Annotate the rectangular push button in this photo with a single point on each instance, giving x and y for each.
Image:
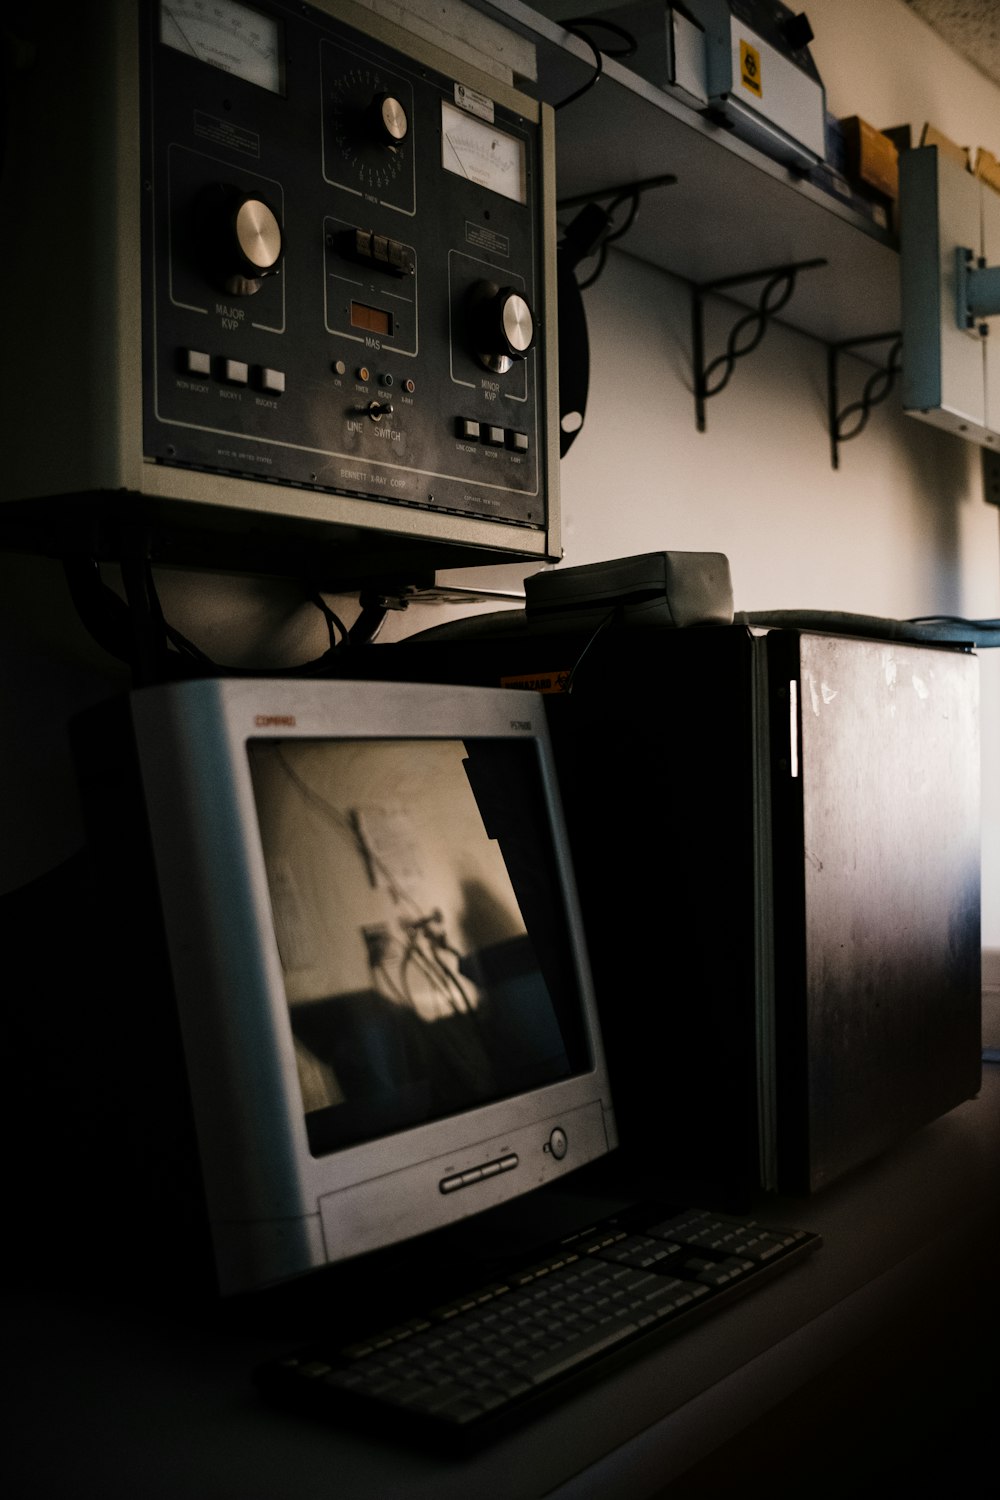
(401, 258)
(196, 362)
(235, 371)
(468, 429)
(517, 441)
(272, 381)
(493, 436)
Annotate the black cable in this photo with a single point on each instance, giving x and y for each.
(954, 620)
(601, 625)
(336, 629)
(602, 250)
(135, 631)
(396, 995)
(369, 622)
(635, 195)
(935, 630)
(149, 651)
(576, 28)
(979, 633)
(590, 232)
(104, 615)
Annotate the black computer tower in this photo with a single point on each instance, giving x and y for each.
(776, 841)
(874, 894)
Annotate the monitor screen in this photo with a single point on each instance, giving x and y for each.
(377, 958)
(413, 925)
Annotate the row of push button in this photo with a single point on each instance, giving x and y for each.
(477, 1174)
(493, 437)
(391, 255)
(233, 371)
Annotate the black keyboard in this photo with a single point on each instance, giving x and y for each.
(470, 1368)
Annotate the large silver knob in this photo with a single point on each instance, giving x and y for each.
(502, 326)
(386, 119)
(240, 238)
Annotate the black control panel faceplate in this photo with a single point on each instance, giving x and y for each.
(359, 364)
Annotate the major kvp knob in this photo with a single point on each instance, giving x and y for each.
(502, 325)
(240, 238)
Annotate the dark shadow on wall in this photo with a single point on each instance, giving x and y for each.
(944, 474)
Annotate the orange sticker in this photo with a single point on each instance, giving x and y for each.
(539, 682)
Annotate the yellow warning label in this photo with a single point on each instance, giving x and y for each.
(539, 682)
(750, 68)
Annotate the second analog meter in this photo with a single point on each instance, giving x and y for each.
(473, 148)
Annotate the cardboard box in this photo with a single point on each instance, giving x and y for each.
(988, 168)
(872, 158)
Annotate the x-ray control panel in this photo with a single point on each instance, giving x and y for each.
(343, 266)
(342, 271)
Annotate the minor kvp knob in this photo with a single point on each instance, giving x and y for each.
(240, 238)
(502, 325)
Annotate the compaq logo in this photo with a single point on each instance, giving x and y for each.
(520, 723)
(266, 721)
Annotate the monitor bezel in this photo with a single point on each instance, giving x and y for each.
(276, 1210)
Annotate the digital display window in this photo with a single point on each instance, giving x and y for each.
(371, 319)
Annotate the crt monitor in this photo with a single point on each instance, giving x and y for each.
(377, 959)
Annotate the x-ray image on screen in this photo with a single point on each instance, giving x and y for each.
(416, 924)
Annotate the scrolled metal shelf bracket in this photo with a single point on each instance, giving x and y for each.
(776, 292)
(851, 420)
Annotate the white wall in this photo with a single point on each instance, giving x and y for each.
(901, 529)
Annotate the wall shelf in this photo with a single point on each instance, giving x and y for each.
(731, 210)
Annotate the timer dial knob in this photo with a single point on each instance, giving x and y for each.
(502, 326)
(386, 120)
(368, 128)
(240, 237)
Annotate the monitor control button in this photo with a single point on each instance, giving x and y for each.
(558, 1143)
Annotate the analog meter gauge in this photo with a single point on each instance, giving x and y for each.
(473, 148)
(230, 36)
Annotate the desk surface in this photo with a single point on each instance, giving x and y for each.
(118, 1401)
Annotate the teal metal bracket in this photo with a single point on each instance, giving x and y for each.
(746, 334)
(851, 420)
(977, 290)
